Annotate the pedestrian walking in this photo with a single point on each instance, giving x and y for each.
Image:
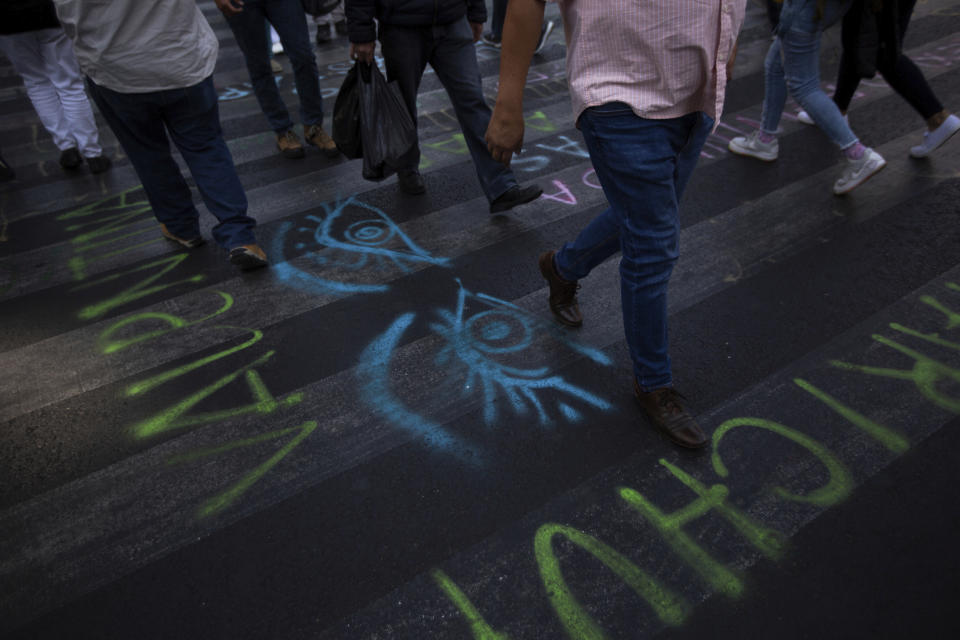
(442, 33)
(793, 64)
(873, 41)
(40, 52)
(248, 19)
(644, 131)
(149, 68)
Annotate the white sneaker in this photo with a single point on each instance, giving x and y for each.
(933, 139)
(859, 171)
(545, 32)
(752, 146)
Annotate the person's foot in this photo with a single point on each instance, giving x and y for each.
(289, 145)
(189, 243)
(340, 26)
(411, 182)
(323, 33)
(6, 171)
(858, 171)
(754, 147)
(545, 30)
(489, 39)
(563, 293)
(275, 67)
(276, 48)
(99, 164)
(70, 158)
(248, 256)
(315, 135)
(664, 408)
(515, 196)
(934, 139)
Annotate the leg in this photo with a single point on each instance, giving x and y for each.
(193, 119)
(643, 166)
(405, 56)
(800, 52)
(774, 89)
(498, 16)
(64, 73)
(455, 61)
(25, 54)
(250, 30)
(288, 18)
(137, 122)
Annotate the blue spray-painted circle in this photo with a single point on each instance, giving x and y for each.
(369, 232)
(499, 332)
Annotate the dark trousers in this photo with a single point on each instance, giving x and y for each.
(902, 75)
(497, 17)
(250, 31)
(191, 117)
(449, 50)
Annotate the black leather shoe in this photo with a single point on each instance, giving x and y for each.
(664, 407)
(411, 183)
(70, 158)
(99, 164)
(563, 293)
(514, 196)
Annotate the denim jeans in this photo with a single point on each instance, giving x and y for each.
(643, 166)
(449, 50)
(191, 116)
(250, 30)
(793, 63)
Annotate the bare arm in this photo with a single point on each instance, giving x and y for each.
(521, 30)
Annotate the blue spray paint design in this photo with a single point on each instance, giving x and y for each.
(363, 244)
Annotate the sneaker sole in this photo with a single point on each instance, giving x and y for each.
(247, 262)
(850, 188)
(743, 151)
(330, 153)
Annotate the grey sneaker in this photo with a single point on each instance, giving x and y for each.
(859, 171)
(752, 146)
(933, 139)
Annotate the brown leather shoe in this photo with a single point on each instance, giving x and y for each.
(563, 294)
(248, 256)
(289, 145)
(315, 135)
(665, 409)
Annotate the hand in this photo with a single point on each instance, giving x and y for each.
(230, 7)
(505, 133)
(363, 51)
(477, 28)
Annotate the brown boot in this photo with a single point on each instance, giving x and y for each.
(289, 145)
(563, 293)
(315, 135)
(665, 410)
(248, 256)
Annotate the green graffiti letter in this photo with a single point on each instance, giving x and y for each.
(478, 626)
(110, 345)
(670, 526)
(953, 318)
(836, 490)
(225, 499)
(926, 373)
(455, 144)
(137, 291)
(538, 120)
(886, 436)
(671, 609)
(175, 417)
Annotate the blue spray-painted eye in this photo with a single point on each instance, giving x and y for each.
(349, 251)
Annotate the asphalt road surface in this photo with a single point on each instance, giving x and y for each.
(384, 435)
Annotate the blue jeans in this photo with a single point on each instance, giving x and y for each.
(643, 166)
(449, 50)
(191, 116)
(250, 30)
(793, 63)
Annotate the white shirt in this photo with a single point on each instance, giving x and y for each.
(138, 46)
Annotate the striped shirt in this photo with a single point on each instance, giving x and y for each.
(664, 58)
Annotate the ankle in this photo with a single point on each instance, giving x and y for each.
(855, 151)
(767, 138)
(937, 119)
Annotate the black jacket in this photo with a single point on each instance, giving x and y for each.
(20, 16)
(407, 13)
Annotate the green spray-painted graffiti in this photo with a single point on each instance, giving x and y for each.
(479, 627)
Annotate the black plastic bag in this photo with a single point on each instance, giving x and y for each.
(346, 117)
(387, 132)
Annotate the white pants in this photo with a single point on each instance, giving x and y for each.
(51, 76)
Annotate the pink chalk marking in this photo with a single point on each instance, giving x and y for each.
(563, 195)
